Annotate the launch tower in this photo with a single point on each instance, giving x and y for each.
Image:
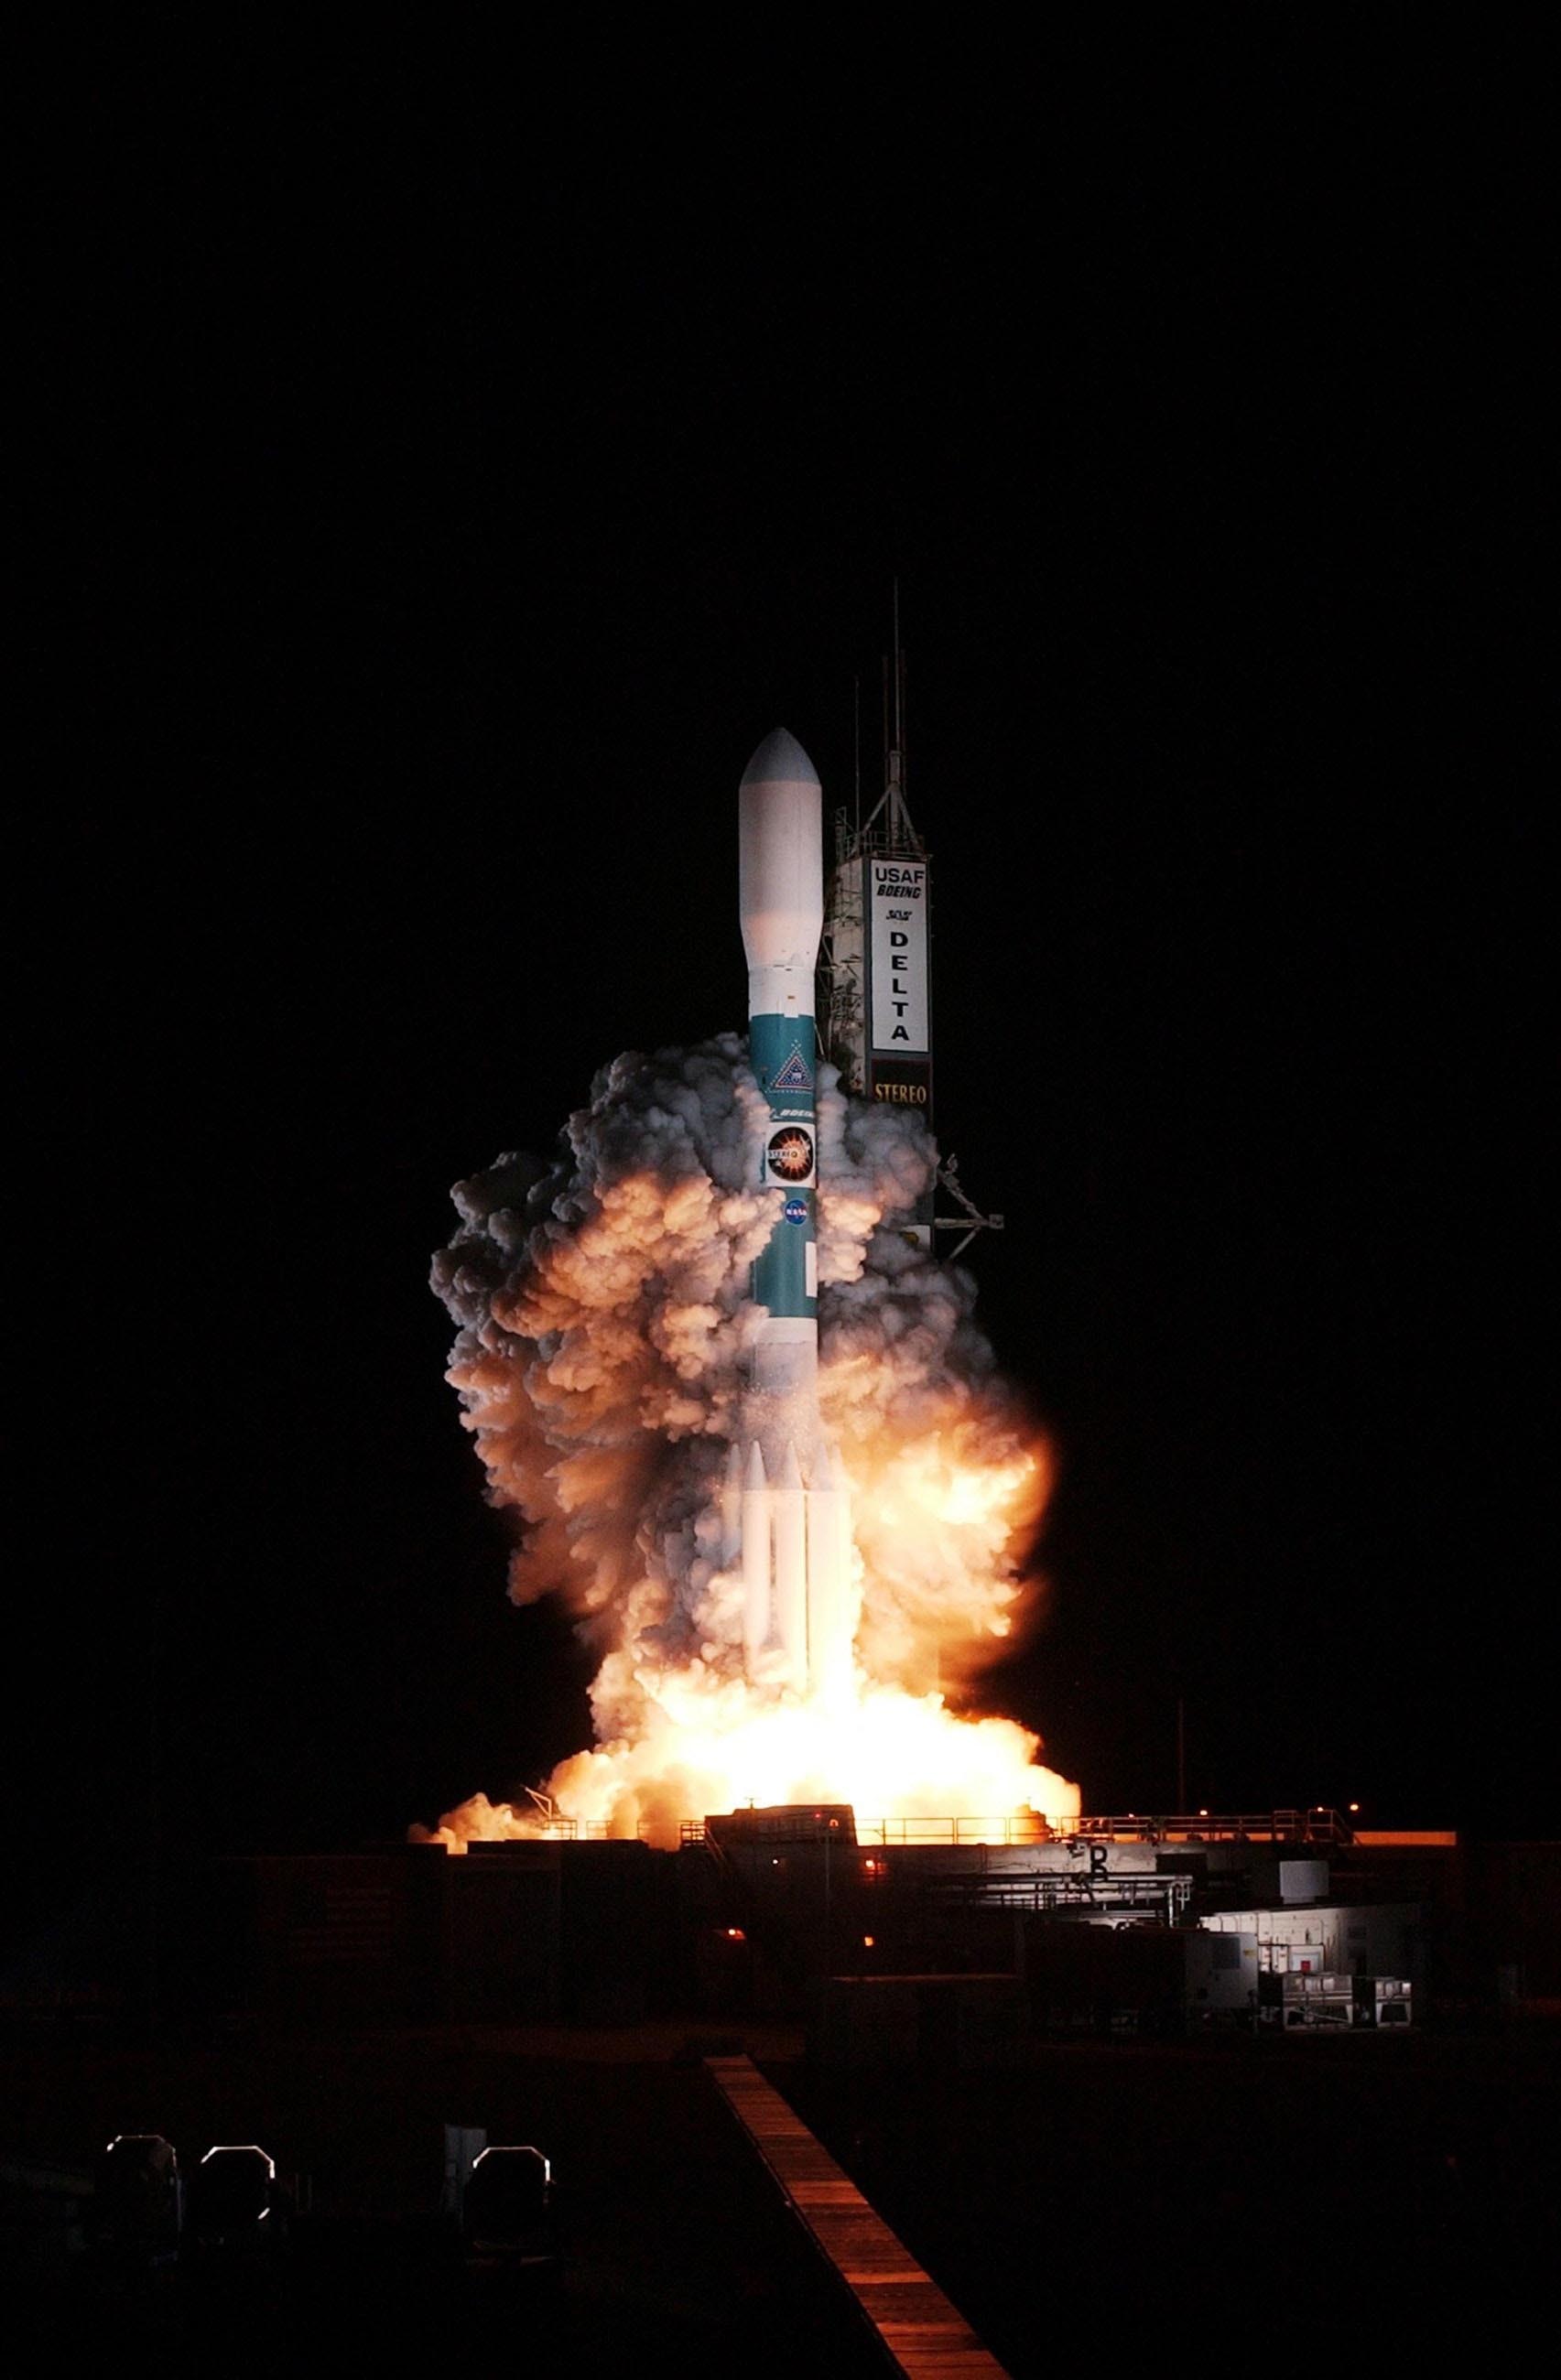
(874, 989)
(875, 972)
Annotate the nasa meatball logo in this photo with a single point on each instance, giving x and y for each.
(791, 1154)
(796, 1210)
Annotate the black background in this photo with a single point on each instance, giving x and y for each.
(455, 453)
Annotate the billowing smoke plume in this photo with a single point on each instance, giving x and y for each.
(605, 1314)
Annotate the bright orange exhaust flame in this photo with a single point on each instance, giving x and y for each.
(935, 1528)
(605, 1320)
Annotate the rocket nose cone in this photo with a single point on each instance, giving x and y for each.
(780, 760)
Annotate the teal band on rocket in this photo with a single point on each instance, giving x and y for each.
(784, 1060)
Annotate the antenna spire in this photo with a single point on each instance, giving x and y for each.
(902, 835)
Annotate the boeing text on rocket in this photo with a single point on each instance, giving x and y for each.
(785, 1502)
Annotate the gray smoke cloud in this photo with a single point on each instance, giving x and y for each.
(603, 1313)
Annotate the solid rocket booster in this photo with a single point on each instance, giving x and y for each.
(796, 1559)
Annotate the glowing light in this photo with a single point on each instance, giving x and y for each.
(708, 1743)
(523, 2149)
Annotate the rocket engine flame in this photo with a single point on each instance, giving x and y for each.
(604, 1313)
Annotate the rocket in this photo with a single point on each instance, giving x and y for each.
(785, 1502)
(780, 880)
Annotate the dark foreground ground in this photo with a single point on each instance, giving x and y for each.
(1320, 2206)
(1324, 2206)
(676, 2252)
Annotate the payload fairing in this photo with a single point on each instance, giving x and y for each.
(785, 1502)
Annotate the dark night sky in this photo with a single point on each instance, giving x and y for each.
(453, 461)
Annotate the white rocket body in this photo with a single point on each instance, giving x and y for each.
(780, 875)
(793, 1532)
